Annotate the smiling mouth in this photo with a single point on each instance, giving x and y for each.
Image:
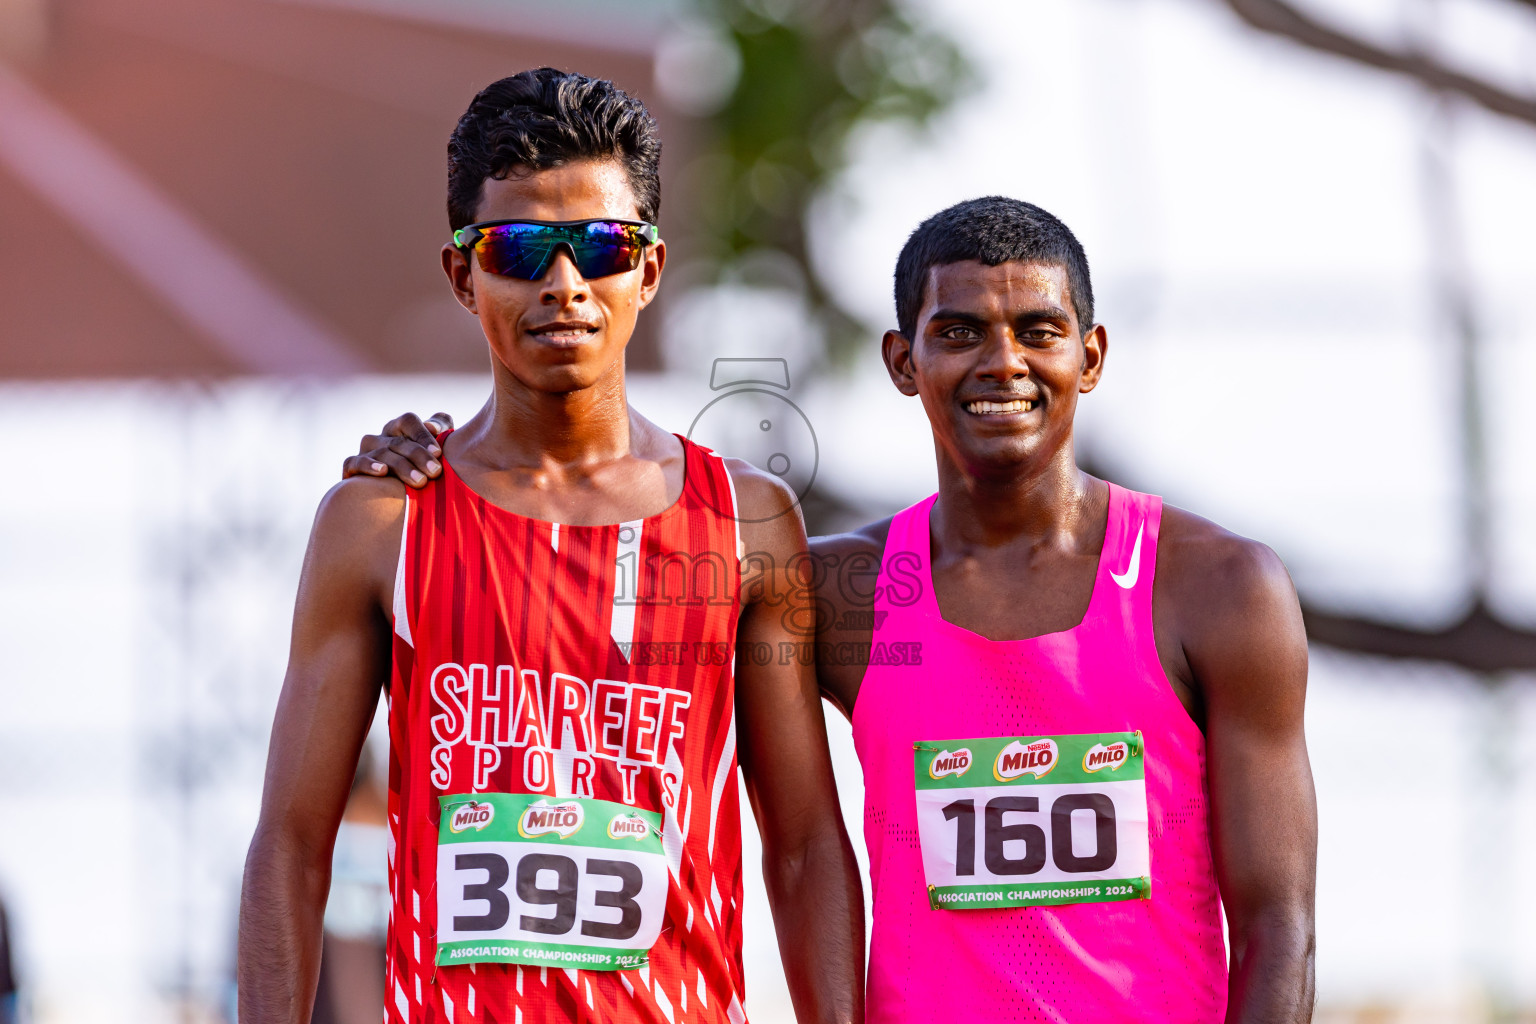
(564, 334)
(999, 408)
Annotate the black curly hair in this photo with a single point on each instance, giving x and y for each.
(991, 230)
(545, 117)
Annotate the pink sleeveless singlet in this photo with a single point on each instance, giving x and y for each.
(1160, 959)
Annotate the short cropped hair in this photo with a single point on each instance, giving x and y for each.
(543, 118)
(991, 230)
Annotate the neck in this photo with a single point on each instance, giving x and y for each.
(1041, 500)
(526, 427)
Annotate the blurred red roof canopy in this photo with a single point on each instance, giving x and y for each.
(266, 189)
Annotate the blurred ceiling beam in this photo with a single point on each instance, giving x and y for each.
(616, 28)
(1479, 641)
(203, 280)
(1278, 17)
(23, 28)
(238, 33)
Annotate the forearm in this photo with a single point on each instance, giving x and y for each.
(282, 907)
(818, 913)
(1272, 980)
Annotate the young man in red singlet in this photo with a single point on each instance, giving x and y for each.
(1079, 711)
(555, 622)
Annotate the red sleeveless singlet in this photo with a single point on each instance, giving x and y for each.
(615, 644)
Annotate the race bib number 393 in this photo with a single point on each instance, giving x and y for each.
(1033, 820)
(525, 879)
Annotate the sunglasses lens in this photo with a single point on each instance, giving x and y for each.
(515, 250)
(608, 247)
(524, 251)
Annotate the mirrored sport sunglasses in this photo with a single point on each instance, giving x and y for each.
(524, 249)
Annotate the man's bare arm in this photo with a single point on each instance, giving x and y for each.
(1246, 647)
(336, 666)
(848, 566)
(808, 863)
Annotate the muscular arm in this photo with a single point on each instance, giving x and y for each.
(1246, 654)
(808, 863)
(337, 663)
(848, 565)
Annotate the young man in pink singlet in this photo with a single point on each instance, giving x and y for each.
(1101, 747)
(1079, 711)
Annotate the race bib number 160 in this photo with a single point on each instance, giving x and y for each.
(528, 879)
(1033, 820)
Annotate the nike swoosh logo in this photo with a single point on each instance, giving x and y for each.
(1127, 579)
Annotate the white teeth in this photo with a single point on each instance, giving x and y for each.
(994, 408)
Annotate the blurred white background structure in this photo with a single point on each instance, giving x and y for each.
(1278, 240)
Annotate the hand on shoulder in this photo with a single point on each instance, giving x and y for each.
(407, 448)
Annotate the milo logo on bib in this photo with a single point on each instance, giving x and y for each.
(471, 815)
(544, 818)
(1063, 819)
(945, 763)
(628, 826)
(1016, 759)
(1099, 756)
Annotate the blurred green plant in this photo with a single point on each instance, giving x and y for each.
(807, 73)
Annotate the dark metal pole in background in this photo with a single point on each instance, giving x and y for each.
(1488, 834)
(1481, 641)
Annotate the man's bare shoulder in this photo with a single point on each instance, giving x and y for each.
(848, 568)
(1197, 556)
(758, 493)
(849, 565)
(358, 526)
(363, 502)
(766, 507)
(1229, 609)
(868, 539)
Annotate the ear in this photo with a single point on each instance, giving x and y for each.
(1095, 348)
(896, 350)
(460, 277)
(655, 262)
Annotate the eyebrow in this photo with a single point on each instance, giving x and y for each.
(958, 315)
(1050, 314)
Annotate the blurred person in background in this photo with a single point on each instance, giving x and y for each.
(562, 799)
(351, 986)
(1079, 712)
(10, 989)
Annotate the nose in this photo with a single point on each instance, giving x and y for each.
(563, 284)
(1002, 358)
